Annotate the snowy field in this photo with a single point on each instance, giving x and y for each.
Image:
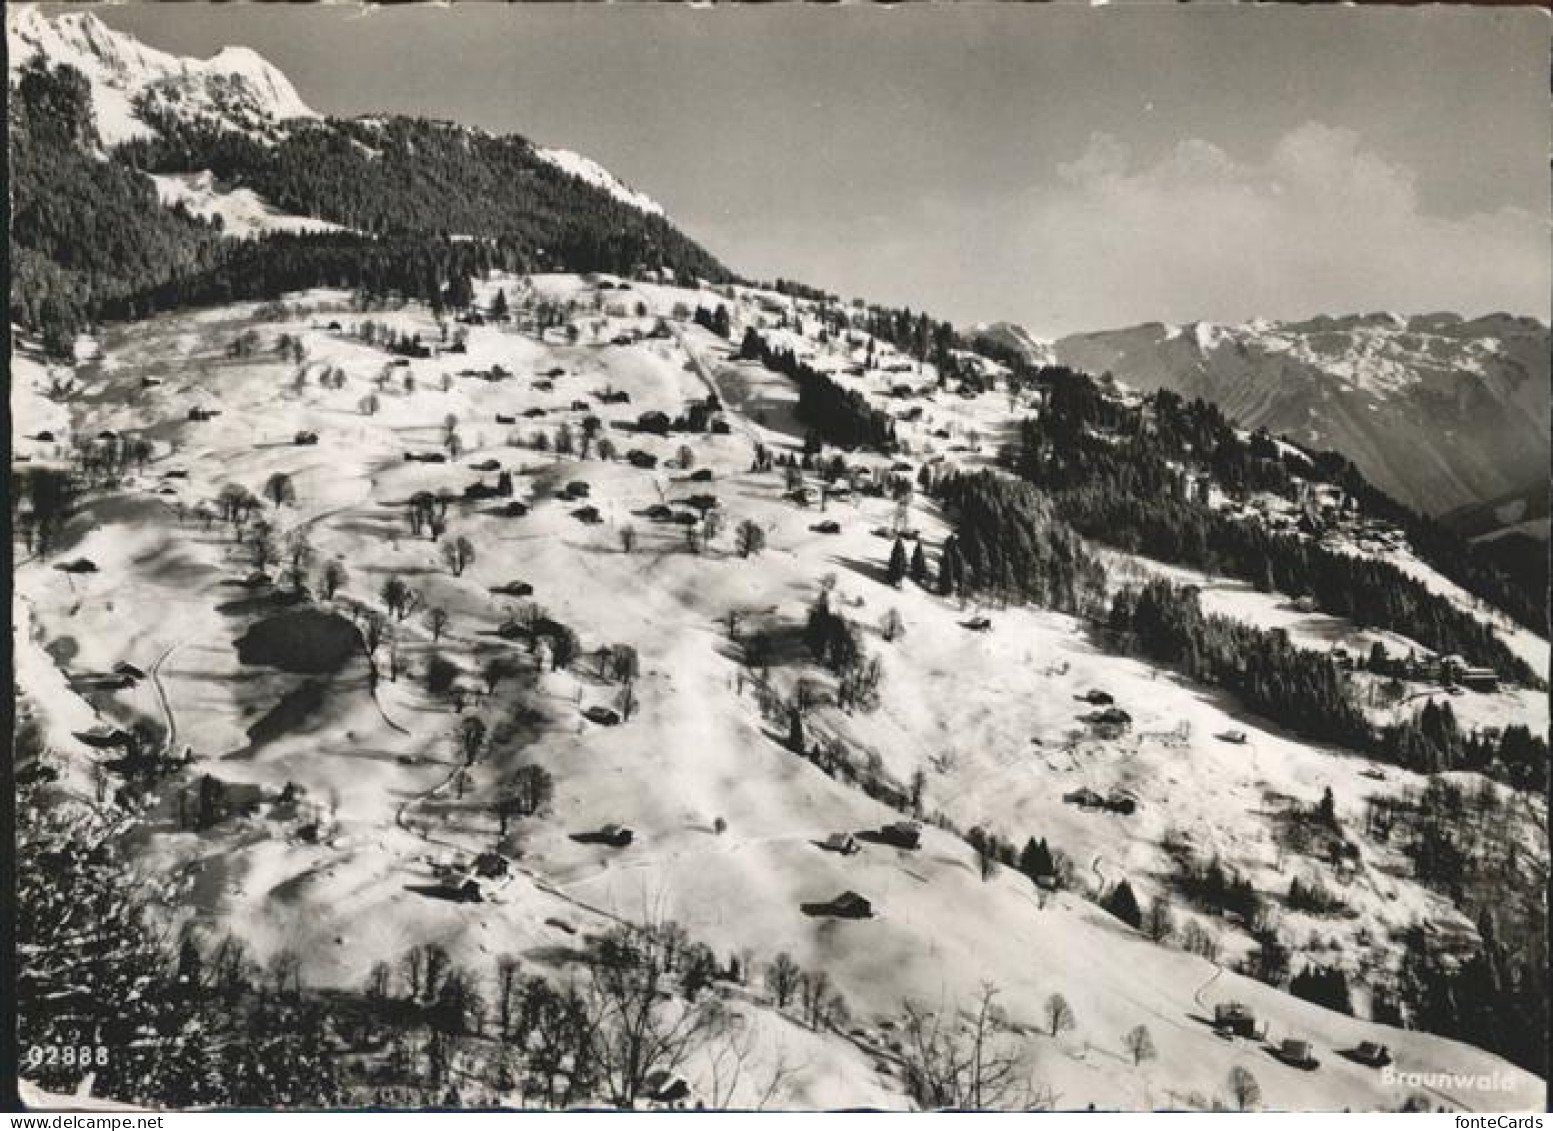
(726, 819)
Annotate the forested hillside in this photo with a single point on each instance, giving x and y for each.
(425, 203)
(1120, 467)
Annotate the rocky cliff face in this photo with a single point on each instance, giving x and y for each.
(1440, 411)
(236, 88)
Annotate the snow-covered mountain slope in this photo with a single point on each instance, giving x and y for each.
(728, 822)
(235, 88)
(242, 211)
(1037, 350)
(589, 170)
(133, 84)
(1439, 411)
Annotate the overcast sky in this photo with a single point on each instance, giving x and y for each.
(1067, 168)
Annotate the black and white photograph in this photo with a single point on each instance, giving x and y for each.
(793, 558)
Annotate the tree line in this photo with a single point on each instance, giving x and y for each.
(842, 416)
(1010, 543)
(1119, 487)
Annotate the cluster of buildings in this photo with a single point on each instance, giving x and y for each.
(1448, 671)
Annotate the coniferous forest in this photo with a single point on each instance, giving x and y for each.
(91, 242)
(1111, 476)
(841, 416)
(1013, 543)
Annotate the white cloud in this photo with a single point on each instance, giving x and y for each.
(1320, 224)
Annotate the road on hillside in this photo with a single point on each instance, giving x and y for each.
(155, 672)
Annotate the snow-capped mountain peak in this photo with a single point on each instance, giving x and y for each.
(245, 66)
(1464, 401)
(133, 85)
(589, 170)
(1038, 351)
(84, 41)
(235, 89)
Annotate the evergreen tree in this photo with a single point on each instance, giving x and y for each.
(1324, 985)
(1121, 903)
(796, 740)
(951, 568)
(1326, 809)
(1035, 859)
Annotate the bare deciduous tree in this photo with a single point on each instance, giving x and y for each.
(823, 1005)
(459, 553)
(640, 1028)
(1139, 1044)
(711, 526)
(532, 789)
(954, 1062)
(395, 665)
(471, 739)
(437, 962)
(1244, 1089)
(988, 850)
(333, 579)
(373, 626)
(413, 968)
(1196, 939)
(507, 992)
(279, 489)
(400, 599)
(782, 977)
(1059, 1015)
(749, 538)
(729, 1061)
(299, 552)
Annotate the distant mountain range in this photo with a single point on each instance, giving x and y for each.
(1442, 412)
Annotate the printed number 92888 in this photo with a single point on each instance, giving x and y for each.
(67, 1056)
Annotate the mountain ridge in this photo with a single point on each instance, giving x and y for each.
(124, 158)
(236, 87)
(1441, 411)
